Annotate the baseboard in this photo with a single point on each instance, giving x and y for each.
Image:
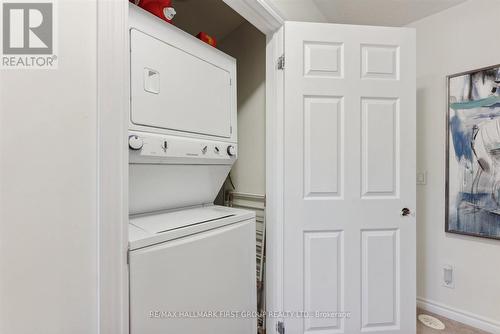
(464, 317)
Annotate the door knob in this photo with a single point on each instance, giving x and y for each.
(405, 212)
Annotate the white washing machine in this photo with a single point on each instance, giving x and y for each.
(192, 265)
(193, 271)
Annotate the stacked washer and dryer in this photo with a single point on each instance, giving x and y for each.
(191, 263)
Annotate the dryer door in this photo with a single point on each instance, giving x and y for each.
(176, 90)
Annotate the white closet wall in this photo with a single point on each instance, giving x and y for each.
(248, 46)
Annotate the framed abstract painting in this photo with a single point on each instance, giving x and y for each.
(473, 153)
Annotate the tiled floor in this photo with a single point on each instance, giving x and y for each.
(452, 327)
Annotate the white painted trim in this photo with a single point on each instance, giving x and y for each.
(265, 17)
(112, 102)
(261, 13)
(274, 177)
(464, 317)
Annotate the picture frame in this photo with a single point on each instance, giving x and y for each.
(472, 181)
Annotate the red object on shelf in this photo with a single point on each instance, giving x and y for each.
(207, 38)
(161, 8)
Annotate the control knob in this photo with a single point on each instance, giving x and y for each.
(135, 142)
(231, 150)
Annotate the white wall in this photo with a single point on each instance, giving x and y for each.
(248, 46)
(48, 228)
(300, 10)
(462, 38)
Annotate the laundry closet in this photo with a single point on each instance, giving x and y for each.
(196, 138)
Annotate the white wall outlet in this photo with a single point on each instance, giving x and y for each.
(422, 178)
(448, 279)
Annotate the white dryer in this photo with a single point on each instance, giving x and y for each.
(192, 266)
(178, 84)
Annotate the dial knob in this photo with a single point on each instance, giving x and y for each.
(135, 142)
(231, 150)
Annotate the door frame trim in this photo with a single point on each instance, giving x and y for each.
(274, 178)
(112, 166)
(112, 160)
(260, 13)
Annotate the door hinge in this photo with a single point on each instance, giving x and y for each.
(280, 327)
(281, 62)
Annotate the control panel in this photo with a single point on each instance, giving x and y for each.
(149, 147)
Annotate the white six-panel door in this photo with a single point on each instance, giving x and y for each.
(349, 171)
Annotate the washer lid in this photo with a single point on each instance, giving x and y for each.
(164, 222)
(146, 230)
